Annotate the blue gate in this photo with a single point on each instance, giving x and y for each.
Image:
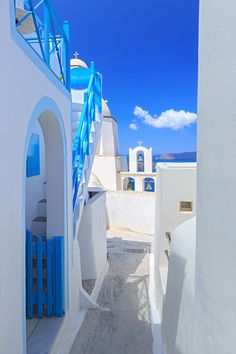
(44, 276)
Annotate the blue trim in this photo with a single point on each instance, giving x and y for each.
(149, 184)
(45, 104)
(33, 56)
(53, 295)
(46, 22)
(92, 105)
(130, 184)
(49, 276)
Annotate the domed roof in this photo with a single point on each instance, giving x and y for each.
(79, 78)
(78, 63)
(105, 109)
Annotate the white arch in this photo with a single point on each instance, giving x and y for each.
(147, 159)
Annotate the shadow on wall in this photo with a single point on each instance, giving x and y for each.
(172, 302)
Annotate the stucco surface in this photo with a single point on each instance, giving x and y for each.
(35, 90)
(92, 237)
(215, 287)
(134, 211)
(121, 324)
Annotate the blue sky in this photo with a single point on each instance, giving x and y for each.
(147, 53)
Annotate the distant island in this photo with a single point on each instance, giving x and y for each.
(192, 156)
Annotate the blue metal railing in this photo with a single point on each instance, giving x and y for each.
(44, 276)
(92, 105)
(49, 37)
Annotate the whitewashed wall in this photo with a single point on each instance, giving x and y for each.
(107, 162)
(179, 301)
(210, 328)
(215, 298)
(133, 154)
(25, 85)
(109, 145)
(104, 172)
(92, 237)
(131, 210)
(175, 182)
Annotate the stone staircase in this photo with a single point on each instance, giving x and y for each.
(39, 223)
(88, 163)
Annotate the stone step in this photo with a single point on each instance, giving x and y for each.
(42, 207)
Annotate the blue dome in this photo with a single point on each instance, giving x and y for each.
(79, 78)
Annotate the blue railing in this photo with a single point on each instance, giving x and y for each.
(44, 276)
(40, 26)
(92, 106)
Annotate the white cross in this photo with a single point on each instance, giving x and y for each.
(76, 54)
(140, 142)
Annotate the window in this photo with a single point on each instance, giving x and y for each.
(33, 157)
(149, 184)
(129, 184)
(140, 161)
(186, 206)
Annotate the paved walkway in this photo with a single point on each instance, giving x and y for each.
(121, 325)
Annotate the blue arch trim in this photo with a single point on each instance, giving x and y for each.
(44, 104)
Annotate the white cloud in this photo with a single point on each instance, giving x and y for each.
(169, 119)
(133, 126)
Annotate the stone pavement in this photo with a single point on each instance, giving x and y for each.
(121, 325)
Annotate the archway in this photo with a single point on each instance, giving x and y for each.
(140, 161)
(45, 216)
(129, 184)
(149, 184)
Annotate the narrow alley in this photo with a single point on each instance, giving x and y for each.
(121, 324)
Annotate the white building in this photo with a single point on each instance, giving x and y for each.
(140, 159)
(108, 163)
(199, 307)
(125, 209)
(140, 177)
(46, 153)
(52, 231)
(175, 203)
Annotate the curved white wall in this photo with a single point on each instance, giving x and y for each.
(179, 300)
(25, 81)
(213, 322)
(215, 303)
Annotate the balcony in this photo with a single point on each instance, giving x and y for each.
(39, 25)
